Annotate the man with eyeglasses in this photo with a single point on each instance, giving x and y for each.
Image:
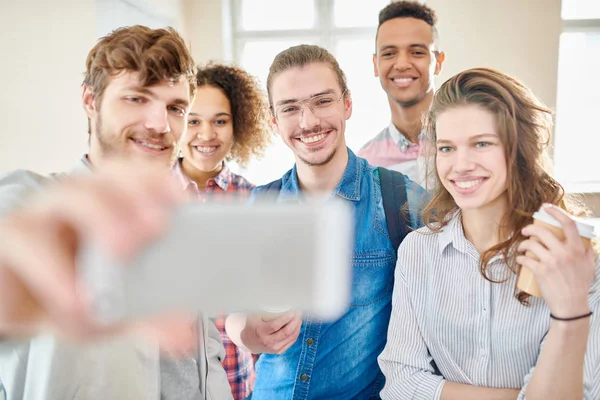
(306, 358)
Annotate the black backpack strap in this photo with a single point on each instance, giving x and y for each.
(393, 192)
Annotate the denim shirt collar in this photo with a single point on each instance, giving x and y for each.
(348, 188)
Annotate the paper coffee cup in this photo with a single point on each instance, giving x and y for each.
(526, 281)
(270, 313)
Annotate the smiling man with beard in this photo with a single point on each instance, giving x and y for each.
(138, 86)
(305, 358)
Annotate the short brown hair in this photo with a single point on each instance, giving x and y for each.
(156, 54)
(524, 126)
(251, 130)
(301, 55)
(409, 9)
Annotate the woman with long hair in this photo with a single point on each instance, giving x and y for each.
(460, 328)
(228, 121)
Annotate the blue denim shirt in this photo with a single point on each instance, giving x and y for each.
(339, 360)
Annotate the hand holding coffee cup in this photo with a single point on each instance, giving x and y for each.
(558, 263)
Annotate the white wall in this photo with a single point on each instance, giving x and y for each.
(518, 37)
(44, 45)
(204, 29)
(112, 14)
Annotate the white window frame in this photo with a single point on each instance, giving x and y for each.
(572, 185)
(324, 33)
(138, 12)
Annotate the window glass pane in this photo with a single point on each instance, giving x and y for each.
(580, 9)
(113, 14)
(265, 15)
(256, 58)
(357, 13)
(577, 130)
(370, 112)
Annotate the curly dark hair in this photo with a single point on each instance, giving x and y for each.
(409, 9)
(251, 129)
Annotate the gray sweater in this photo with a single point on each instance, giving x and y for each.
(46, 368)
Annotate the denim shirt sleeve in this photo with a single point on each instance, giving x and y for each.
(417, 198)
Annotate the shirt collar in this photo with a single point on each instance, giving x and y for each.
(452, 233)
(222, 180)
(83, 166)
(186, 183)
(348, 188)
(400, 139)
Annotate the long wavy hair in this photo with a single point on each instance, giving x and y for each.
(524, 127)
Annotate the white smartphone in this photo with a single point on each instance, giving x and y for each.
(227, 257)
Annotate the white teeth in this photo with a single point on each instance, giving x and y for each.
(152, 145)
(206, 150)
(403, 80)
(467, 184)
(312, 139)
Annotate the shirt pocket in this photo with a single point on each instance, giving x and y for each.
(372, 277)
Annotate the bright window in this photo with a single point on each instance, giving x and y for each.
(263, 28)
(113, 14)
(577, 130)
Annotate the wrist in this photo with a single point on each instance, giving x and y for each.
(247, 339)
(571, 329)
(571, 308)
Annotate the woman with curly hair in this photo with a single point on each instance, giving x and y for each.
(460, 326)
(228, 121)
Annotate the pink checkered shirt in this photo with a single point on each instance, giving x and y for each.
(238, 363)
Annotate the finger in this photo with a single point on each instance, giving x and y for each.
(285, 346)
(288, 332)
(528, 262)
(281, 321)
(544, 235)
(572, 236)
(19, 310)
(538, 250)
(118, 217)
(293, 336)
(47, 273)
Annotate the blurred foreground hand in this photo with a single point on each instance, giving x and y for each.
(122, 208)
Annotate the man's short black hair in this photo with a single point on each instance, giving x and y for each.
(409, 9)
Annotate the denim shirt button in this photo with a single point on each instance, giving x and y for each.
(310, 342)
(304, 377)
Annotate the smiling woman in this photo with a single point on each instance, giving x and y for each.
(228, 121)
(490, 134)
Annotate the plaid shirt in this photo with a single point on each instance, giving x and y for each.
(238, 363)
